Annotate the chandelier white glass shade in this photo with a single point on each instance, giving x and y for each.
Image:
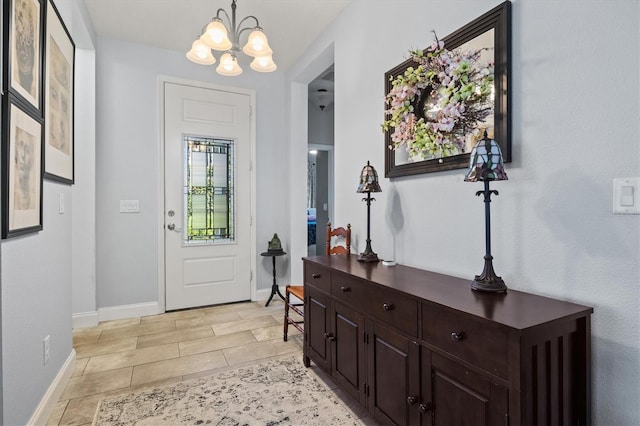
(225, 37)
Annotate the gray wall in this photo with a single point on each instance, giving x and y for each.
(37, 269)
(575, 105)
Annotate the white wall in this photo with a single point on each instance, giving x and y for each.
(128, 161)
(575, 106)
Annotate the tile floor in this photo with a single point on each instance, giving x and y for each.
(118, 356)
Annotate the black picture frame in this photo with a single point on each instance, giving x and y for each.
(59, 92)
(23, 56)
(498, 19)
(22, 168)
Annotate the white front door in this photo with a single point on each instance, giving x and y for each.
(207, 155)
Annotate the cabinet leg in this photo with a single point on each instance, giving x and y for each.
(306, 361)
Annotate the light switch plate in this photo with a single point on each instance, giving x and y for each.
(129, 206)
(626, 195)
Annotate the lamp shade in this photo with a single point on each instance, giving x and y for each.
(257, 44)
(215, 36)
(485, 162)
(200, 53)
(263, 64)
(228, 65)
(368, 180)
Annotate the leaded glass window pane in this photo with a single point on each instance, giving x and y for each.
(208, 190)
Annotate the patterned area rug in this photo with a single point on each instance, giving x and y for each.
(276, 392)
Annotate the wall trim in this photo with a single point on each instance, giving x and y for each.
(128, 311)
(263, 294)
(84, 319)
(54, 392)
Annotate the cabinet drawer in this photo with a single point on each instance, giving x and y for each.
(350, 291)
(317, 276)
(394, 309)
(473, 340)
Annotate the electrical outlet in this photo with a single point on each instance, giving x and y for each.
(46, 348)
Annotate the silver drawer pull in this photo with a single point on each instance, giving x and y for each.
(457, 336)
(315, 276)
(345, 289)
(387, 306)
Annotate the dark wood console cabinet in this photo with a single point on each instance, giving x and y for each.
(418, 347)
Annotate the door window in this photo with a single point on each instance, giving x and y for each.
(208, 190)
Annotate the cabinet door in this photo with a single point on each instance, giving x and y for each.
(394, 376)
(348, 364)
(317, 326)
(455, 395)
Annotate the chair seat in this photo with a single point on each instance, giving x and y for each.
(297, 291)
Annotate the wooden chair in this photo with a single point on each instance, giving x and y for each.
(298, 290)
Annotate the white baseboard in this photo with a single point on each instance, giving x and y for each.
(262, 294)
(128, 311)
(53, 394)
(84, 319)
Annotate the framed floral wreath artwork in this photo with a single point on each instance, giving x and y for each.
(444, 98)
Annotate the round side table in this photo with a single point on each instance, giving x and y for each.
(274, 287)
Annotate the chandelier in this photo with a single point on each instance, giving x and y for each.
(225, 37)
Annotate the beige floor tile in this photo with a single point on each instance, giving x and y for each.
(216, 343)
(261, 311)
(273, 332)
(131, 358)
(233, 307)
(80, 365)
(84, 336)
(248, 324)
(138, 330)
(174, 336)
(188, 313)
(56, 414)
(160, 370)
(80, 411)
(207, 319)
(110, 346)
(119, 323)
(266, 349)
(97, 383)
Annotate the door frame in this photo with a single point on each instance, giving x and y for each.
(162, 79)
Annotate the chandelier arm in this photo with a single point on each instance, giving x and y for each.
(248, 17)
(225, 14)
(243, 30)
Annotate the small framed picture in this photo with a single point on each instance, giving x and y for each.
(25, 51)
(22, 162)
(59, 91)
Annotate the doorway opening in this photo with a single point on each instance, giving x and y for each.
(320, 193)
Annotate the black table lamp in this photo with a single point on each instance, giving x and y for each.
(486, 165)
(368, 184)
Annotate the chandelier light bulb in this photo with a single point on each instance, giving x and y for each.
(200, 53)
(228, 65)
(257, 44)
(215, 36)
(263, 64)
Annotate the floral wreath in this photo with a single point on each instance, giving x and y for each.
(433, 106)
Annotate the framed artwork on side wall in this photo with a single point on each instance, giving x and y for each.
(22, 162)
(59, 101)
(23, 61)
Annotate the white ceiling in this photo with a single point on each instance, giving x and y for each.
(290, 25)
